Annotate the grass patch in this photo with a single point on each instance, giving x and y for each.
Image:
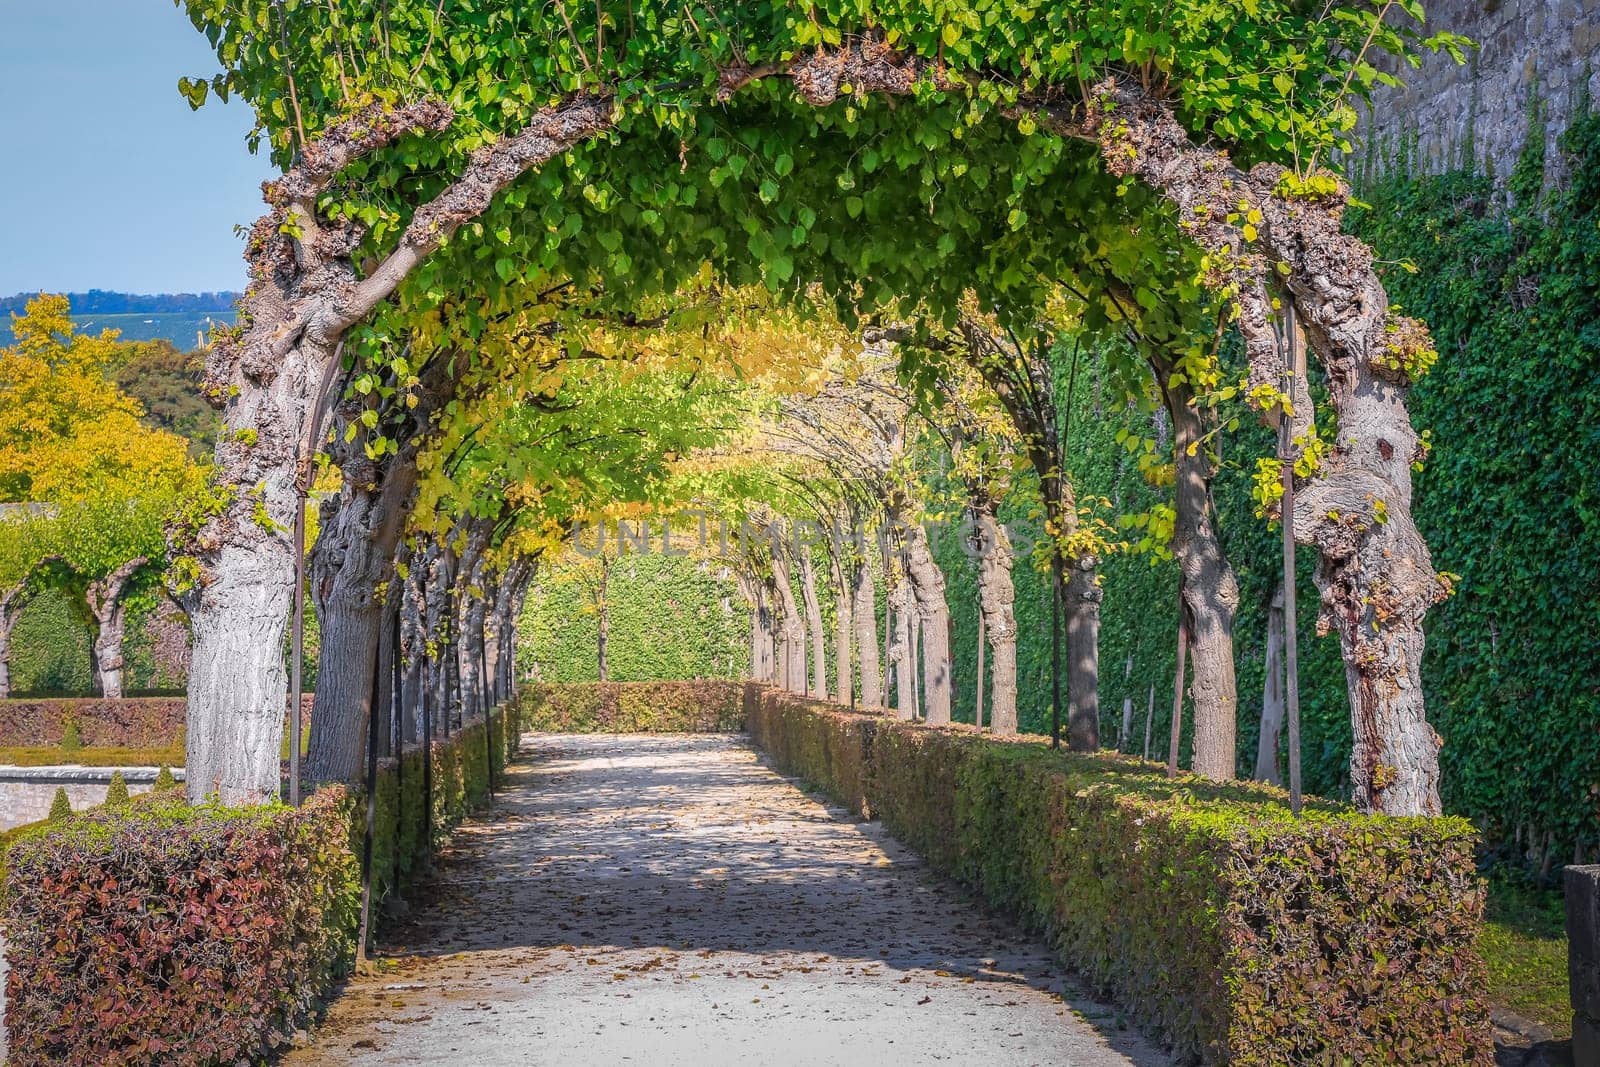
(52, 755)
(1524, 943)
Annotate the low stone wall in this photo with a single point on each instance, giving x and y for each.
(1583, 962)
(26, 793)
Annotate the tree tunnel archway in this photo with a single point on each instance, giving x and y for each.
(608, 156)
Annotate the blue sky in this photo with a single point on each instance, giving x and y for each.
(107, 179)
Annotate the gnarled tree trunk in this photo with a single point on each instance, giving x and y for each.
(933, 612)
(1272, 706)
(110, 613)
(1374, 572)
(844, 624)
(996, 600)
(1210, 591)
(793, 644)
(901, 599)
(814, 627)
(864, 609)
(305, 293)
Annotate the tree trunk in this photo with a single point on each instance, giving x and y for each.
(1126, 731)
(1082, 608)
(1210, 591)
(7, 623)
(305, 294)
(900, 598)
(844, 626)
(1272, 705)
(996, 601)
(933, 613)
(1374, 572)
(603, 623)
(977, 694)
(864, 610)
(351, 561)
(814, 627)
(110, 615)
(793, 645)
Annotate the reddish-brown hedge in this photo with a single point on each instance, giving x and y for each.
(1238, 933)
(163, 934)
(167, 934)
(133, 722)
(703, 706)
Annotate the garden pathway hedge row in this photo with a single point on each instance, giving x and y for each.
(1236, 932)
(703, 706)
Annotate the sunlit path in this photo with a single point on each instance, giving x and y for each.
(668, 899)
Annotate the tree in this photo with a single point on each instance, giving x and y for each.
(66, 430)
(985, 163)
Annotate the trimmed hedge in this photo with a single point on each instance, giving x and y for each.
(460, 786)
(1235, 932)
(133, 722)
(704, 706)
(163, 934)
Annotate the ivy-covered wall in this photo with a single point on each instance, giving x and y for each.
(672, 617)
(51, 648)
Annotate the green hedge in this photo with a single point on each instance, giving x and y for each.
(635, 707)
(671, 617)
(401, 839)
(158, 933)
(1232, 930)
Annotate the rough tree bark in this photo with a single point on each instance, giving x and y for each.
(110, 614)
(1272, 706)
(793, 627)
(933, 613)
(901, 599)
(996, 600)
(864, 609)
(1374, 572)
(814, 627)
(1210, 591)
(1025, 383)
(352, 563)
(467, 628)
(305, 293)
(844, 623)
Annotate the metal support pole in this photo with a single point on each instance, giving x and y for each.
(297, 643)
(488, 713)
(397, 741)
(1055, 647)
(372, 815)
(1291, 659)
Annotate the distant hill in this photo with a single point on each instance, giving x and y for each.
(176, 317)
(105, 302)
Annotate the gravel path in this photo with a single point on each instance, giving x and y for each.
(670, 900)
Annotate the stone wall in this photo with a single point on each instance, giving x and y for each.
(26, 793)
(1528, 49)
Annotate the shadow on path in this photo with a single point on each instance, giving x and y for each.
(669, 899)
